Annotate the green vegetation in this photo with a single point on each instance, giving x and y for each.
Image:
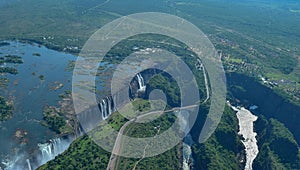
(252, 43)
(4, 44)
(277, 146)
(49, 24)
(223, 150)
(116, 121)
(13, 59)
(62, 118)
(168, 86)
(169, 160)
(143, 130)
(9, 70)
(6, 109)
(246, 91)
(172, 158)
(55, 121)
(268, 46)
(141, 105)
(42, 77)
(126, 47)
(36, 54)
(83, 153)
(3, 82)
(70, 66)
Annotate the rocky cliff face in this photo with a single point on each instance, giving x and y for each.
(139, 87)
(248, 91)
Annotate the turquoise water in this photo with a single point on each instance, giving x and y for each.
(31, 95)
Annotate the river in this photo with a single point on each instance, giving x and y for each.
(30, 95)
(187, 153)
(246, 130)
(270, 104)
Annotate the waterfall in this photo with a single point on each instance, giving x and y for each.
(104, 113)
(188, 160)
(106, 107)
(141, 82)
(46, 150)
(28, 163)
(56, 145)
(101, 109)
(11, 164)
(187, 153)
(109, 105)
(52, 148)
(130, 91)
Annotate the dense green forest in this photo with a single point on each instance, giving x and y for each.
(6, 109)
(224, 149)
(54, 120)
(82, 154)
(277, 146)
(9, 70)
(259, 40)
(85, 153)
(10, 59)
(262, 36)
(170, 159)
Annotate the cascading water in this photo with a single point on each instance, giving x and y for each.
(48, 152)
(246, 129)
(106, 107)
(188, 160)
(53, 148)
(101, 108)
(11, 164)
(56, 145)
(142, 86)
(104, 113)
(187, 152)
(28, 163)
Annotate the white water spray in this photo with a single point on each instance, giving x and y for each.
(51, 149)
(187, 152)
(246, 121)
(142, 86)
(106, 107)
(28, 163)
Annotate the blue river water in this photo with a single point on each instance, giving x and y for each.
(30, 95)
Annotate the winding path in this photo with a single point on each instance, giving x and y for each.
(117, 146)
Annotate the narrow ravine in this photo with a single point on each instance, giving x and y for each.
(187, 153)
(246, 130)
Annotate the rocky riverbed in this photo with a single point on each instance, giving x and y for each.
(246, 130)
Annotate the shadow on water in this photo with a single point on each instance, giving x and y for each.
(250, 92)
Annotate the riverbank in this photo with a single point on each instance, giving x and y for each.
(21, 134)
(246, 91)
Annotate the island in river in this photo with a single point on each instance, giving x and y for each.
(24, 96)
